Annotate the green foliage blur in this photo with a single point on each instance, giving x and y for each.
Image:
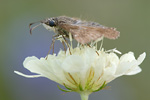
(130, 17)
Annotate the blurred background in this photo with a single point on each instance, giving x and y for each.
(130, 17)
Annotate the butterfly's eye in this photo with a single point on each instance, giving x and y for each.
(52, 23)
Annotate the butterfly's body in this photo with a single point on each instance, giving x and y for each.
(82, 31)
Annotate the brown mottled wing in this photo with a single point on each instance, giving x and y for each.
(85, 34)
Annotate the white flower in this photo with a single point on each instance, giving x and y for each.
(85, 70)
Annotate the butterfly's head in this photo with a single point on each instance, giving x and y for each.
(50, 22)
(47, 23)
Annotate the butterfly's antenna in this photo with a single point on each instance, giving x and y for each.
(34, 26)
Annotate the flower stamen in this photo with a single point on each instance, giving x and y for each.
(72, 79)
(90, 77)
(91, 47)
(100, 76)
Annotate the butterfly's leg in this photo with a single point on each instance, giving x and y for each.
(67, 44)
(52, 45)
(63, 43)
(62, 34)
(59, 37)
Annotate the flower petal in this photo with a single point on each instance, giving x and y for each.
(43, 67)
(124, 67)
(73, 63)
(85, 69)
(134, 71)
(141, 58)
(128, 57)
(27, 76)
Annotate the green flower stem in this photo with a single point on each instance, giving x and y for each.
(84, 96)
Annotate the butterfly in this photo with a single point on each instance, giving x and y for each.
(82, 31)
